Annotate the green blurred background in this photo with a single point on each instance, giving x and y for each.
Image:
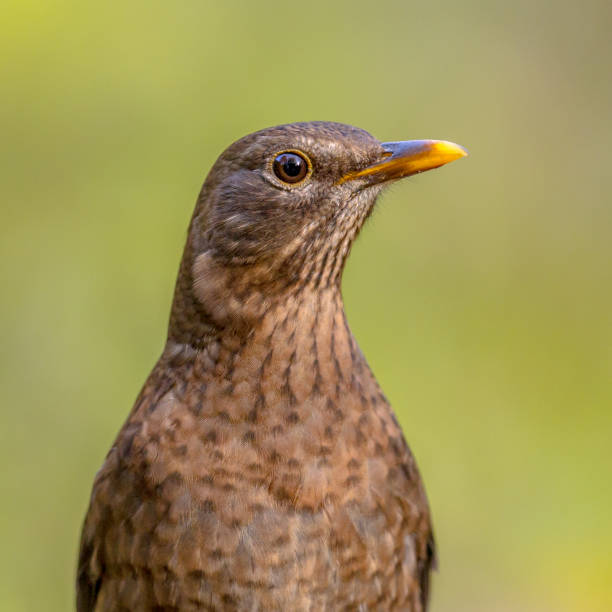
(481, 293)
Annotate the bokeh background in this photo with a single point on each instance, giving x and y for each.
(481, 293)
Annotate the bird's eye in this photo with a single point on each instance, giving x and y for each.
(290, 167)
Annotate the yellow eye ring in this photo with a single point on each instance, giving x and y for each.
(291, 167)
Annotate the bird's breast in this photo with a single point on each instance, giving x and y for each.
(270, 462)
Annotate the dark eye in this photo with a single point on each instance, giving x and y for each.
(290, 167)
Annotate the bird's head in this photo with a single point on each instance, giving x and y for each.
(281, 207)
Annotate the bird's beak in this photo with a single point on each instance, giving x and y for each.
(408, 157)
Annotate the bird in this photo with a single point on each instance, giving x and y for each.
(261, 466)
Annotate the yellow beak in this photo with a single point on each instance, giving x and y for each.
(408, 157)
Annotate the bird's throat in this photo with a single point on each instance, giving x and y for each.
(299, 350)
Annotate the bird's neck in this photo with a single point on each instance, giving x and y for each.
(301, 346)
(230, 325)
(216, 299)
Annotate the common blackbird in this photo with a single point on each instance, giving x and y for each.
(261, 467)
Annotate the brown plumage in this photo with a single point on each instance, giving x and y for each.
(262, 467)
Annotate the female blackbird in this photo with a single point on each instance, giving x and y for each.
(261, 467)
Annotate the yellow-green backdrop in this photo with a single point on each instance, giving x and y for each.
(481, 293)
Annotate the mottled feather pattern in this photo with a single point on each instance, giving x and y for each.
(261, 467)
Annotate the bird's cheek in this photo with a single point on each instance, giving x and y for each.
(226, 293)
